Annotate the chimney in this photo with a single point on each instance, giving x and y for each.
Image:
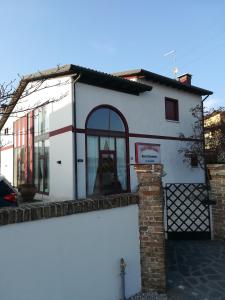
(185, 79)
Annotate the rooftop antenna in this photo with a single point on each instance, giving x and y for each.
(172, 53)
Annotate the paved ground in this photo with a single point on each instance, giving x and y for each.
(148, 296)
(196, 270)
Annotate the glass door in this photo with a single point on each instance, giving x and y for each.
(106, 165)
(109, 183)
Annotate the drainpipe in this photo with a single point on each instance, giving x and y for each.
(206, 172)
(1, 151)
(122, 275)
(203, 140)
(74, 121)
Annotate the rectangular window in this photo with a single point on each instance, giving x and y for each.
(23, 150)
(20, 128)
(36, 164)
(31, 149)
(171, 109)
(41, 149)
(41, 120)
(41, 166)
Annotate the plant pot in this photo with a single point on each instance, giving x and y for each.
(27, 191)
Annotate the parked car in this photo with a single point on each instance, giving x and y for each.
(8, 194)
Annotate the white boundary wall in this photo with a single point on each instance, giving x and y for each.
(73, 257)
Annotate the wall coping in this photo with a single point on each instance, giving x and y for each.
(216, 169)
(39, 211)
(146, 168)
(219, 166)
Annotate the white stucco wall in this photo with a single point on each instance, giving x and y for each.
(81, 169)
(61, 146)
(72, 257)
(61, 175)
(6, 159)
(175, 171)
(145, 114)
(7, 164)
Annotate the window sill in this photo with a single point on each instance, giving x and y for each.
(42, 193)
(172, 121)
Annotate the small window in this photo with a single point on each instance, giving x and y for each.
(194, 161)
(171, 109)
(6, 131)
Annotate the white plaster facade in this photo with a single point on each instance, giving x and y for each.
(145, 115)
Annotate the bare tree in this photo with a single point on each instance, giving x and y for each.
(26, 87)
(208, 137)
(13, 100)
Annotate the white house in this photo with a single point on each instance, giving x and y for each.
(76, 132)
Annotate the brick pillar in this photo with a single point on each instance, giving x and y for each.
(151, 226)
(217, 183)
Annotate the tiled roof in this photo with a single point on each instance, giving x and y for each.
(163, 80)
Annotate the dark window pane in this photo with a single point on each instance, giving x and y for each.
(121, 162)
(41, 166)
(20, 166)
(99, 119)
(105, 119)
(171, 108)
(41, 120)
(36, 126)
(46, 173)
(93, 165)
(36, 164)
(15, 166)
(116, 124)
(41, 175)
(194, 161)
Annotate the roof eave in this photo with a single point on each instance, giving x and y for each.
(164, 80)
(120, 84)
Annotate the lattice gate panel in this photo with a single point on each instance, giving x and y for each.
(188, 215)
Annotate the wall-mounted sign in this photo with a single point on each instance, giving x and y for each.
(147, 153)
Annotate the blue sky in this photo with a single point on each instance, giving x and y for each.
(116, 35)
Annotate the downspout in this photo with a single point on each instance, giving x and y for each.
(74, 122)
(207, 176)
(1, 152)
(203, 140)
(122, 275)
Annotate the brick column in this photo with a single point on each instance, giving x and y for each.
(151, 226)
(217, 183)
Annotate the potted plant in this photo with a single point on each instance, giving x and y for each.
(27, 191)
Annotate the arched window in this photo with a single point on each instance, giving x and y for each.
(107, 144)
(105, 119)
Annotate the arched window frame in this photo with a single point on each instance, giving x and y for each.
(109, 133)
